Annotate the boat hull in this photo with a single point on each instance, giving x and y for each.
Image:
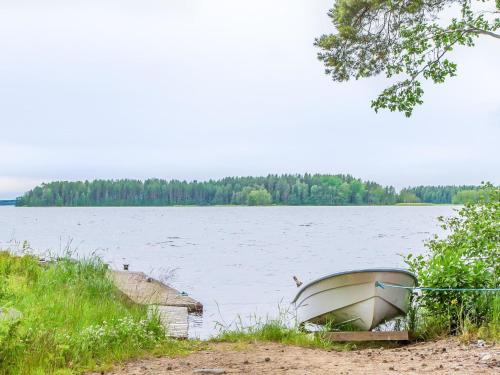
(353, 297)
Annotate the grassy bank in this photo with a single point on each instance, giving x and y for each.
(273, 330)
(279, 330)
(67, 317)
(426, 328)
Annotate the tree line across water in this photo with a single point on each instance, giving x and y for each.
(288, 189)
(7, 202)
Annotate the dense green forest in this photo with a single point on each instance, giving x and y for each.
(440, 194)
(285, 189)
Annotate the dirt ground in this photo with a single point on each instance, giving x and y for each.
(441, 357)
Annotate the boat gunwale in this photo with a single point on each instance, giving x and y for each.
(367, 270)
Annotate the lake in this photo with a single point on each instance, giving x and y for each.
(237, 261)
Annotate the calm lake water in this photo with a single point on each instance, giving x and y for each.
(237, 261)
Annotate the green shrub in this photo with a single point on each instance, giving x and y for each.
(467, 258)
(259, 197)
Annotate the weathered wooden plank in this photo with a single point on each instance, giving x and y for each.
(365, 336)
(173, 318)
(147, 291)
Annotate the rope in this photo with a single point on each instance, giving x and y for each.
(382, 285)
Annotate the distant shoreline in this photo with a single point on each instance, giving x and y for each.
(7, 202)
(280, 190)
(246, 206)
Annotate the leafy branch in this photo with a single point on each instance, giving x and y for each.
(401, 39)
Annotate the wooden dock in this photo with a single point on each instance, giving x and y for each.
(148, 291)
(171, 305)
(173, 318)
(365, 336)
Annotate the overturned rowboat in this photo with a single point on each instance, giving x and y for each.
(353, 297)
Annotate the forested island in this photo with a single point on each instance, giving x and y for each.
(286, 189)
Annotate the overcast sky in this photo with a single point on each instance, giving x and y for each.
(205, 89)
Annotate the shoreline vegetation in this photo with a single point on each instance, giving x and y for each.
(287, 189)
(66, 316)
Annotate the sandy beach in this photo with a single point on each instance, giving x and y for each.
(440, 357)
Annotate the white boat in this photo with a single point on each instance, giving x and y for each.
(353, 297)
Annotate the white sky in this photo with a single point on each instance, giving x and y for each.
(204, 89)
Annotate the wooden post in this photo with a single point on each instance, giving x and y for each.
(365, 336)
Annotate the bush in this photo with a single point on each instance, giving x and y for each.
(467, 258)
(259, 197)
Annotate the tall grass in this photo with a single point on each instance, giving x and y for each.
(271, 329)
(282, 328)
(68, 315)
(458, 319)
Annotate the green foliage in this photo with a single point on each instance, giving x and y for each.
(71, 317)
(468, 196)
(307, 189)
(404, 40)
(273, 189)
(406, 196)
(467, 258)
(434, 194)
(259, 197)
